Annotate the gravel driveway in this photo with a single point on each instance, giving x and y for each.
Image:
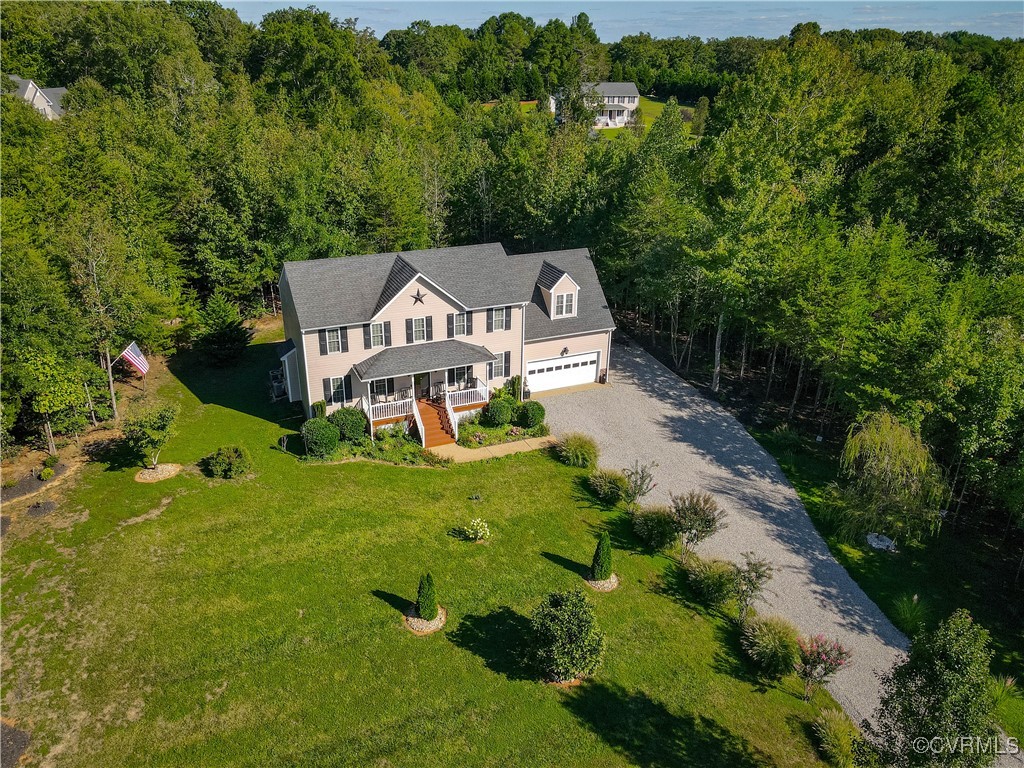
(649, 413)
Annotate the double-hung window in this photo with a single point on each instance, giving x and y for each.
(419, 329)
(460, 324)
(564, 305)
(376, 334)
(333, 340)
(500, 322)
(380, 387)
(458, 377)
(338, 390)
(498, 367)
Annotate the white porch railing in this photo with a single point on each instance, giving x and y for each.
(390, 410)
(419, 423)
(475, 396)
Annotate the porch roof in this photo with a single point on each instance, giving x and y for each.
(420, 358)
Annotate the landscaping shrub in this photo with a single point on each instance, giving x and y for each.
(837, 737)
(568, 642)
(771, 643)
(46, 473)
(751, 579)
(351, 424)
(51, 461)
(640, 482)
(820, 658)
(319, 409)
(513, 386)
(655, 527)
(608, 485)
(577, 450)
(426, 598)
(601, 566)
(499, 411)
(714, 580)
(228, 462)
(477, 530)
(697, 517)
(321, 437)
(1003, 687)
(910, 614)
(530, 414)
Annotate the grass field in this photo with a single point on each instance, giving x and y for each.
(257, 621)
(944, 573)
(649, 109)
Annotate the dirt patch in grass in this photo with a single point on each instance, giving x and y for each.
(153, 514)
(41, 508)
(162, 472)
(12, 744)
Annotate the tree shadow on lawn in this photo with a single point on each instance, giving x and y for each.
(649, 735)
(584, 496)
(730, 658)
(620, 529)
(501, 639)
(572, 566)
(242, 386)
(397, 602)
(115, 454)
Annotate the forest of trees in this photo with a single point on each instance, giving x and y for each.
(851, 203)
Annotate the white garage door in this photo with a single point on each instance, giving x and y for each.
(567, 371)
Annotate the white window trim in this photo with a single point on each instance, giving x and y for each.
(414, 321)
(494, 367)
(562, 296)
(336, 340)
(373, 387)
(504, 319)
(374, 335)
(336, 387)
(455, 324)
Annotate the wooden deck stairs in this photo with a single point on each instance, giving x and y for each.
(436, 429)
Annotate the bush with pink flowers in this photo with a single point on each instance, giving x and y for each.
(820, 659)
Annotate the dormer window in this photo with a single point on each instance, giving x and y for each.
(565, 304)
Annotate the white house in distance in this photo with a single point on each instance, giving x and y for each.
(46, 101)
(616, 103)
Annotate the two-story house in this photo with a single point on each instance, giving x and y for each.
(424, 337)
(615, 103)
(46, 101)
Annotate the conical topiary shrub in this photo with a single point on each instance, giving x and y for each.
(426, 598)
(601, 568)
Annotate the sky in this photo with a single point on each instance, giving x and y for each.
(615, 18)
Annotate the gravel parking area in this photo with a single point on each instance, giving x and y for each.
(649, 413)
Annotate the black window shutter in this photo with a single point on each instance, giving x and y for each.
(328, 392)
(508, 317)
(451, 326)
(490, 371)
(490, 320)
(387, 333)
(408, 330)
(430, 328)
(391, 386)
(508, 363)
(344, 339)
(348, 387)
(366, 336)
(322, 334)
(469, 323)
(451, 377)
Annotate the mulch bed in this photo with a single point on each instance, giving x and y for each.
(13, 743)
(30, 483)
(41, 508)
(5, 523)
(418, 626)
(162, 472)
(604, 586)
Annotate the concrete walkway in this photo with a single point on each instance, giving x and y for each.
(649, 413)
(462, 455)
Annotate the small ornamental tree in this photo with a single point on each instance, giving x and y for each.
(697, 516)
(601, 568)
(939, 690)
(223, 337)
(148, 432)
(820, 659)
(639, 483)
(426, 598)
(568, 642)
(751, 578)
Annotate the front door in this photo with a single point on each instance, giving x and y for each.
(421, 382)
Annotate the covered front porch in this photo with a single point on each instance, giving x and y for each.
(426, 385)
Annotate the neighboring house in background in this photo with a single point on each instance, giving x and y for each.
(615, 102)
(46, 101)
(424, 337)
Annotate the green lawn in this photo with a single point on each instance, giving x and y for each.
(944, 572)
(649, 108)
(256, 622)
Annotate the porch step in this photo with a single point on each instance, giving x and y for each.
(434, 433)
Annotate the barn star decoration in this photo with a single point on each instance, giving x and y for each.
(418, 297)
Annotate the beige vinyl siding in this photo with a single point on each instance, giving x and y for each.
(435, 305)
(291, 331)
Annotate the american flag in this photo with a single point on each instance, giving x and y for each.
(135, 358)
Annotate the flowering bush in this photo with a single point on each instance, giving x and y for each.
(479, 437)
(820, 659)
(477, 530)
(515, 431)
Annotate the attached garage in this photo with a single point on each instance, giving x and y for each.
(558, 372)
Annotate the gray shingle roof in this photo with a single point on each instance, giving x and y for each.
(615, 89)
(549, 275)
(418, 358)
(349, 290)
(284, 348)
